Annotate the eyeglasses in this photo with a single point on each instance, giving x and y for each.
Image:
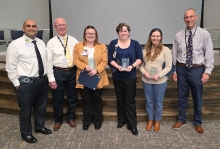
(60, 25)
(90, 34)
(123, 31)
(188, 17)
(33, 26)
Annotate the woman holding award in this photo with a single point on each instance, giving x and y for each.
(91, 56)
(154, 79)
(124, 55)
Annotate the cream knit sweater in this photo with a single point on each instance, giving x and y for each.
(164, 56)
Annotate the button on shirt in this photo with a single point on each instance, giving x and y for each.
(202, 48)
(55, 54)
(21, 59)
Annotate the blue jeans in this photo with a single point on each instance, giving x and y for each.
(154, 94)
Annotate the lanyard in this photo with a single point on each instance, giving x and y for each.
(192, 36)
(64, 47)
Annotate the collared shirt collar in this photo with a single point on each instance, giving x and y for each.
(61, 37)
(193, 30)
(28, 39)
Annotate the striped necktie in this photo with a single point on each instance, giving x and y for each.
(189, 54)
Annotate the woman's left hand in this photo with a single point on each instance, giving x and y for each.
(128, 69)
(92, 72)
(155, 77)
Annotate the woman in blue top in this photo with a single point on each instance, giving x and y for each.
(124, 55)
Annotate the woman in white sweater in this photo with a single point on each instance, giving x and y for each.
(154, 79)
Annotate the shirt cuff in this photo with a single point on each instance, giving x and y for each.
(208, 71)
(16, 83)
(51, 79)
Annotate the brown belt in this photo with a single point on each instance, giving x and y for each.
(184, 65)
(64, 69)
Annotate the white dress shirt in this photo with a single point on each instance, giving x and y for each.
(202, 48)
(21, 58)
(55, 54)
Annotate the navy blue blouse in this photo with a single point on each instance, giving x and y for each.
(133, 52)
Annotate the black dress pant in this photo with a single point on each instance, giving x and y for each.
(126, 107)
(92, 105)
(66, 81)
(32, 96)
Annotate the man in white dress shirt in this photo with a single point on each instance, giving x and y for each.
(62, 73)
(26, 67)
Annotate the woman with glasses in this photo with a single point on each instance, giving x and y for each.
(124, 56)
(91, 56)
(154, 77)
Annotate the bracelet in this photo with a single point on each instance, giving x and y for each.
(132, 66)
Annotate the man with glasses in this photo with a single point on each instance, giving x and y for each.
(61, 73)
(26, 67)
(193, 55)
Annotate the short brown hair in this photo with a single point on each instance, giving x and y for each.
(84, 35)
(121, 25)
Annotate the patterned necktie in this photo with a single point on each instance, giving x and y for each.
(189, 54)
(39, 59)
(68, 57)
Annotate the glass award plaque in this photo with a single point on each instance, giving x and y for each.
(153, 71)
(125, 62)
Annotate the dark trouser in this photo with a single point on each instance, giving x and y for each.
(190, 78)
(126, 107)
(66, 81)
(92, 105)
(30, 96)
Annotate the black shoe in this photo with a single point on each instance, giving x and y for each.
(29, 139)
(86, 126)
(134, 131)
(44, 131)
(120, 125)
(98, 126)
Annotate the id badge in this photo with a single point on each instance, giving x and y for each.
(29, 44)
(65, 60)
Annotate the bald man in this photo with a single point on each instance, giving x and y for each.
(62, 73)
(26, 67)
(193, 55)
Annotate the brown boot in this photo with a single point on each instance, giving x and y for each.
(149, 125)
(156, 126)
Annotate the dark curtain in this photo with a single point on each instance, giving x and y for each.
(202, 15)
(50, 19)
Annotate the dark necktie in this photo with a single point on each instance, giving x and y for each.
(189, 54)
(40, 62)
